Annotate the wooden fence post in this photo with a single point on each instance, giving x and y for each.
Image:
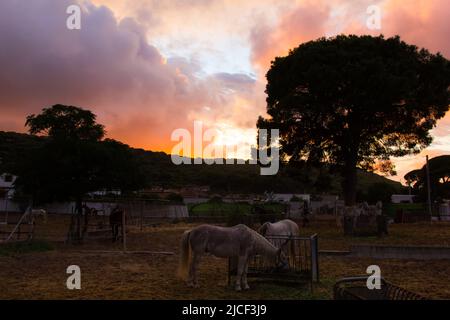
(124, 231)
(142, 214)
(314, 258)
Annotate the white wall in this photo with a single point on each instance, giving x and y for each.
(399, 198)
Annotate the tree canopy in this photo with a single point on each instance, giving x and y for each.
(72, 159)
(439, 178)
(351, 101)
(66, 123)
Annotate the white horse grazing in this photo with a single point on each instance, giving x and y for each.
(284, 227)
(239, 242)
(40, 212)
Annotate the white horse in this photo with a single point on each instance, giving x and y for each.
(238, 242)
(40, 213)
(284, 227)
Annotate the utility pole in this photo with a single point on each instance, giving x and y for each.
(429, 189)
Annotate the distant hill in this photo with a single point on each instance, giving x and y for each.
(160, 171)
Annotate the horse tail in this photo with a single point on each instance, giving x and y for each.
(184, 255)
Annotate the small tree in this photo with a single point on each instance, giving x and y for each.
(439, 178)
(350, 101)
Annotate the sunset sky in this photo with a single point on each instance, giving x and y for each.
(147, 67)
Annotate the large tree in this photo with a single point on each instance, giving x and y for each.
(74, 159)
(351, 101)
(65, 166)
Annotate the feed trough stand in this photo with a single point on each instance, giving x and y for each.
(355, 288)
(303, 262)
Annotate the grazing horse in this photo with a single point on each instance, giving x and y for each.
(116, 222)
(238, 242)
(40, 212)
(284, 228)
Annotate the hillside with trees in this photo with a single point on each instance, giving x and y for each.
(157, 169)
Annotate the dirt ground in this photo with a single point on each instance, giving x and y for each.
(117, 275)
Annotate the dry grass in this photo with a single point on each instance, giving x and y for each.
(42, 275)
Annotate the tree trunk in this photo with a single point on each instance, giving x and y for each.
(349, 182)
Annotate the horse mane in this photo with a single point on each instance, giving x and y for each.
(262, 245)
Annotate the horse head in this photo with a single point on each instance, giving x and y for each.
(282, 262)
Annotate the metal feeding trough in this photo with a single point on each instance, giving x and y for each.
(355, 288)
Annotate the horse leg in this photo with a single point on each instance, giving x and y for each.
(195, 262)
(244, 276)
(240, 270)
(192, 279)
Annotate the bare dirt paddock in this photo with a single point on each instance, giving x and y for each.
(42, 275)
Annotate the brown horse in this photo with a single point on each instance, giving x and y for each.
(116, 222)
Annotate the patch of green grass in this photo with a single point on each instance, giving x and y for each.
(14, 248)
(391, 208)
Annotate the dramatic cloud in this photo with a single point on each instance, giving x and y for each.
(305, 22)
(108, 66)
(147, 67)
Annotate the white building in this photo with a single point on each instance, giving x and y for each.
(103, 193)
(286, 197)
(7, 185)
(402, 198)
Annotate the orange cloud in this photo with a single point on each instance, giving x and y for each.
(307, 21)
(110, 67)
